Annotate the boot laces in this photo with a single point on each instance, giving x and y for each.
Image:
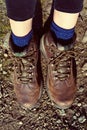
(61, 62)
(24, 67)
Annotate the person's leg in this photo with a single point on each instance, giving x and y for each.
(20, 15)
(65, 20)
(23, 51)
(66, 15)
(57, 46)
(26, 19)
(21, 28)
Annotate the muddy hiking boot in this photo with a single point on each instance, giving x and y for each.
(26, 78)
(61, 70)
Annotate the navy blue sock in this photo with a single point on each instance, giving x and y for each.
(62, 33)
(22, 41)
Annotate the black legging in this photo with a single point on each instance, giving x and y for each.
(21, 10)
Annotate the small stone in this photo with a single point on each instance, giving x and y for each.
(4, 72)
(0, 95)
(10, 108)
(5, 55)
(42, 115)
(58, 121)
(78, 114)
(45, 124)
(79, 104)
(84, 40)
(85, 73)
(34, 109)
(74, 117)
(81, 90)
(62, 112)
(0, 65)
(20, 123)
(82, 119)
(84, 68)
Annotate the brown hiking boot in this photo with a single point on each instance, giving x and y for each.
(26, 78)
(61, 72)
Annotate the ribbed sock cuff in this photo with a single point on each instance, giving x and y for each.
(22, 41)
(62, 33)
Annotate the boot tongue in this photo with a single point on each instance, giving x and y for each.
(64, 47)
(64, 44)
(20, 54)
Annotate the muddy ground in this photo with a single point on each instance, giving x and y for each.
(46, 116)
